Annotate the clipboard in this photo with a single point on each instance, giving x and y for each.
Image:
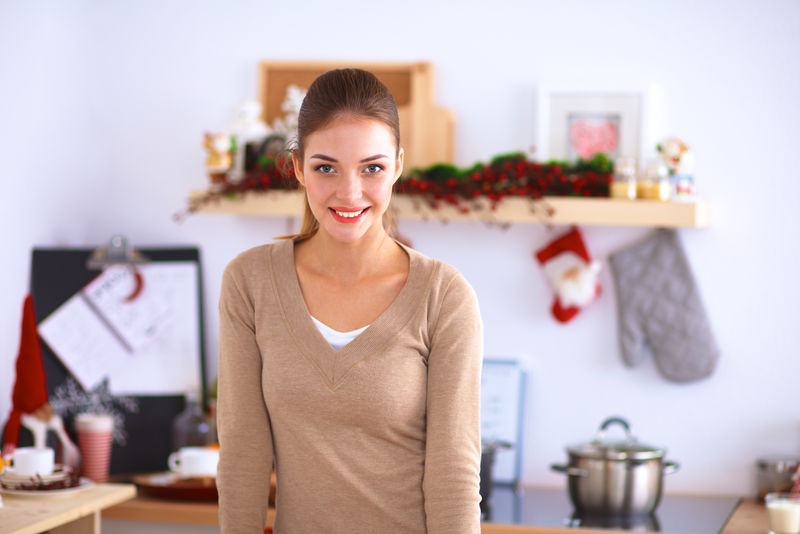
(57, 275)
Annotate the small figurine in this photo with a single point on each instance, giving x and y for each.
(679, 160)
(672, 151)
(219, 157)
(30, 402)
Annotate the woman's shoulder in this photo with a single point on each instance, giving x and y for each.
(256, 261)
(440, 274)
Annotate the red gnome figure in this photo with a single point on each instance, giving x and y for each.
(30, 389)
(30, 406)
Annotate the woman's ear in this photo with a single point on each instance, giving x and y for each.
(399, 164)
(298, 169)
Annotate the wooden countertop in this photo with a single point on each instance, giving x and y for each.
(75, 512)
(145, 508)
(750, 517)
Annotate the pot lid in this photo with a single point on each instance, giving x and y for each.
(609, 449)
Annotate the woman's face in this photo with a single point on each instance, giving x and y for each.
(348, 172)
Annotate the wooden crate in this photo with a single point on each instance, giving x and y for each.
(426, 131)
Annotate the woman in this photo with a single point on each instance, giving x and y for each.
(350, 361)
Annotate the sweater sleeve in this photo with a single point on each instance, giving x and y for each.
(453, 444)
(243, 426)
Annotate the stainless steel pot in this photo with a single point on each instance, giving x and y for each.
(607, 477)
(488, 451)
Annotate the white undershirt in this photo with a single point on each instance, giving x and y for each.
(334, 337)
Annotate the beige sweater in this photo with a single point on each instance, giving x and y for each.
(381, 436)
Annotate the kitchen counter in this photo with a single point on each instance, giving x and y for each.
(745, 516)
(78, 513)
(552, 509)
(750, 517)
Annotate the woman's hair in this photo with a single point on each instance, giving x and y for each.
(333, 95)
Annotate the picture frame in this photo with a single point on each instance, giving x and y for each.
(576, 123)
(503, 415)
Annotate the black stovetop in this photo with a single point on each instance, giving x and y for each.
(553, 508)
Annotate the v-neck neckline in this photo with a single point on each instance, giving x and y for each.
(335, 365)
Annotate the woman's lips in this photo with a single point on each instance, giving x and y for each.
(348, 215)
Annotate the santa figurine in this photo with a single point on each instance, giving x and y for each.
(30, 407)
(572, 273)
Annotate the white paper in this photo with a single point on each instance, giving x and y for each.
(135, 317)
(147, 345)
(86, 347)
(170, 363)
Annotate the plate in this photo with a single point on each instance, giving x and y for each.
(84, 484)
(169, 485)
(61, 472)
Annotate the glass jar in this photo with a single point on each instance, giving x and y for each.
(683, 187)
(623, 184)
(191, 427)
(655, 184)
(775, 474)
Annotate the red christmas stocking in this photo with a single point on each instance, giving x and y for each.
(572, 274)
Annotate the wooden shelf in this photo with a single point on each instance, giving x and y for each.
(566, 210)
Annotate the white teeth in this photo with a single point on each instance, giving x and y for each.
(348, 214)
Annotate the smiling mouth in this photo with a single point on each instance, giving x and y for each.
(348, 215)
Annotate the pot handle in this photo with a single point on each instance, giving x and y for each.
(671, 467)
(610, 421)
(568, 470)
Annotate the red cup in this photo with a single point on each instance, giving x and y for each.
(94, 440)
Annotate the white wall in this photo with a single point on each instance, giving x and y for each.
(103, 104)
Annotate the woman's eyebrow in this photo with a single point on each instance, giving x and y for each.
(373, 158)
(334, 160)
(324, 157)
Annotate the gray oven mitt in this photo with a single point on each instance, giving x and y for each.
(660, 307)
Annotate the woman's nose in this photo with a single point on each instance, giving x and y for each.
(350, 187)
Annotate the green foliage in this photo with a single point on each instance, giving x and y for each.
(500, 159)
(441, 172)
(599, 163)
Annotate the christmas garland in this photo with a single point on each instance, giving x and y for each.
(505, 176)
(445, 184)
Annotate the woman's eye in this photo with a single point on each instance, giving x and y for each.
(372, 169)
(324, 168)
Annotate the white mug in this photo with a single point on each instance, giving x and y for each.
(32, 461)
(194, 462)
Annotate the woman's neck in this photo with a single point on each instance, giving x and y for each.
(348, 262)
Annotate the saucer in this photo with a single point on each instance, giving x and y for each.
(84, 484)
(11, 478)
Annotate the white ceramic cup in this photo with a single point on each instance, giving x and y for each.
(30, 461)
(194, 462)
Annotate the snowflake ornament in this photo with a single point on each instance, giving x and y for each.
(70, 398)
